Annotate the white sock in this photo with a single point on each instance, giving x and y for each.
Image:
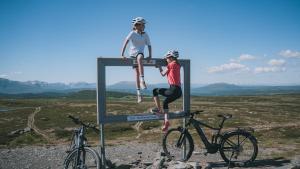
(142, 78)
(166, 117)
(138, 91)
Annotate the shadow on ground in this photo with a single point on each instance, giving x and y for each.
(276, 162)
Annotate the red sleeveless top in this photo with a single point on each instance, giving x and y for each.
(173, 74)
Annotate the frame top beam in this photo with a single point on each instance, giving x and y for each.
(131, 61)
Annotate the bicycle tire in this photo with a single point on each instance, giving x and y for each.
(89, 156)
(174, 151)
(238, 148)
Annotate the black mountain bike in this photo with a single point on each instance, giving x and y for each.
(80, 155)
(237, 147)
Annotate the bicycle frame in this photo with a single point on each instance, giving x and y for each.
(79, 143)
(79, 146)
(213, 146)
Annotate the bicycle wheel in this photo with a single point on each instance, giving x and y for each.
(88, 159)
(173, 143)
(238, 148)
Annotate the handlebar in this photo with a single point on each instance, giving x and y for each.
(195, 113)
(88, 125)
(226, 116)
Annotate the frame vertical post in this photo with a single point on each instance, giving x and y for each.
(101, 102)
(186, 98)
(187, 87)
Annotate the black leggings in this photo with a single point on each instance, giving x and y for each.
(171, 94)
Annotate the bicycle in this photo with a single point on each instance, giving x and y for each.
(80, 155)
(237, 147)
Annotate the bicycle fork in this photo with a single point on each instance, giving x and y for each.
(181, 139)
(80, 160)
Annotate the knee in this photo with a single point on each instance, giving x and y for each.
(155, 92)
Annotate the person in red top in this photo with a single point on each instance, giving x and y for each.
(172, 93)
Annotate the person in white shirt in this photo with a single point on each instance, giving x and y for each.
(139, 39)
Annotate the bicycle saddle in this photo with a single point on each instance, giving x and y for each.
(198, 111)
(225, 116)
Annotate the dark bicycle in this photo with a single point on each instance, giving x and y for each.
(80, 155)
(237, 147)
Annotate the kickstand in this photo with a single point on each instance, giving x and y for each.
(230, 160)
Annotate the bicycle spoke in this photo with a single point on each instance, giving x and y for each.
(243, 140)
(230, 142)
(228, 148)
(173, 144)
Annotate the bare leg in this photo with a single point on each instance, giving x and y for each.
(157, 103)
(137, 78)
(166, 123)
(138, 91)
(140, 64)
(141, 71)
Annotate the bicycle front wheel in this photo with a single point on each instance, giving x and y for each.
(173, 144)
(239, 148)
(85, 158)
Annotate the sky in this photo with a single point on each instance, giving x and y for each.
(246, 42)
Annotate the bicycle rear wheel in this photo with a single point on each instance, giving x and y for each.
(173, 143)
(239, 148)
(88, 159)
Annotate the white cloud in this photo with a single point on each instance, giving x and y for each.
(246, 57)
(228, 67)
(243, 57)
(276, 62)
(17, 73)
(289, 54)
(269, 69)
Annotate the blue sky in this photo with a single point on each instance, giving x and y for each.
(232, 41)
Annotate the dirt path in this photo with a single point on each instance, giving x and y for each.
(31, 125)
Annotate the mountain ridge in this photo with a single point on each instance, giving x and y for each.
(216, 89)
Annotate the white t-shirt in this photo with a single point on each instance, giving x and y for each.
(138, 42)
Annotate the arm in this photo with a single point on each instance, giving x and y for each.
(163, 72)
(150, 51)
(148, 43)
(124, 47)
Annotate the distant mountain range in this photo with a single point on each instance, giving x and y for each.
(224, 89)
(217, 89)
(16, 87)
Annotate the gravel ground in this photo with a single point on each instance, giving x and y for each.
(130, 155)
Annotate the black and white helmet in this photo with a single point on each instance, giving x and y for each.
(172, 53)
(140, 20)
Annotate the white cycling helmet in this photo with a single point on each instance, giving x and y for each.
(172, 53)
(140, 20)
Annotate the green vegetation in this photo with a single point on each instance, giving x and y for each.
(275, 118)
(11, 121)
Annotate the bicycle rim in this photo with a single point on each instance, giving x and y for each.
(239, 148)
(173, 145)
(88, 159)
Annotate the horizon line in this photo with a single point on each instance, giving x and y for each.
(200, 84)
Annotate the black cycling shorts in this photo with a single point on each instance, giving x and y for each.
(171, 94)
